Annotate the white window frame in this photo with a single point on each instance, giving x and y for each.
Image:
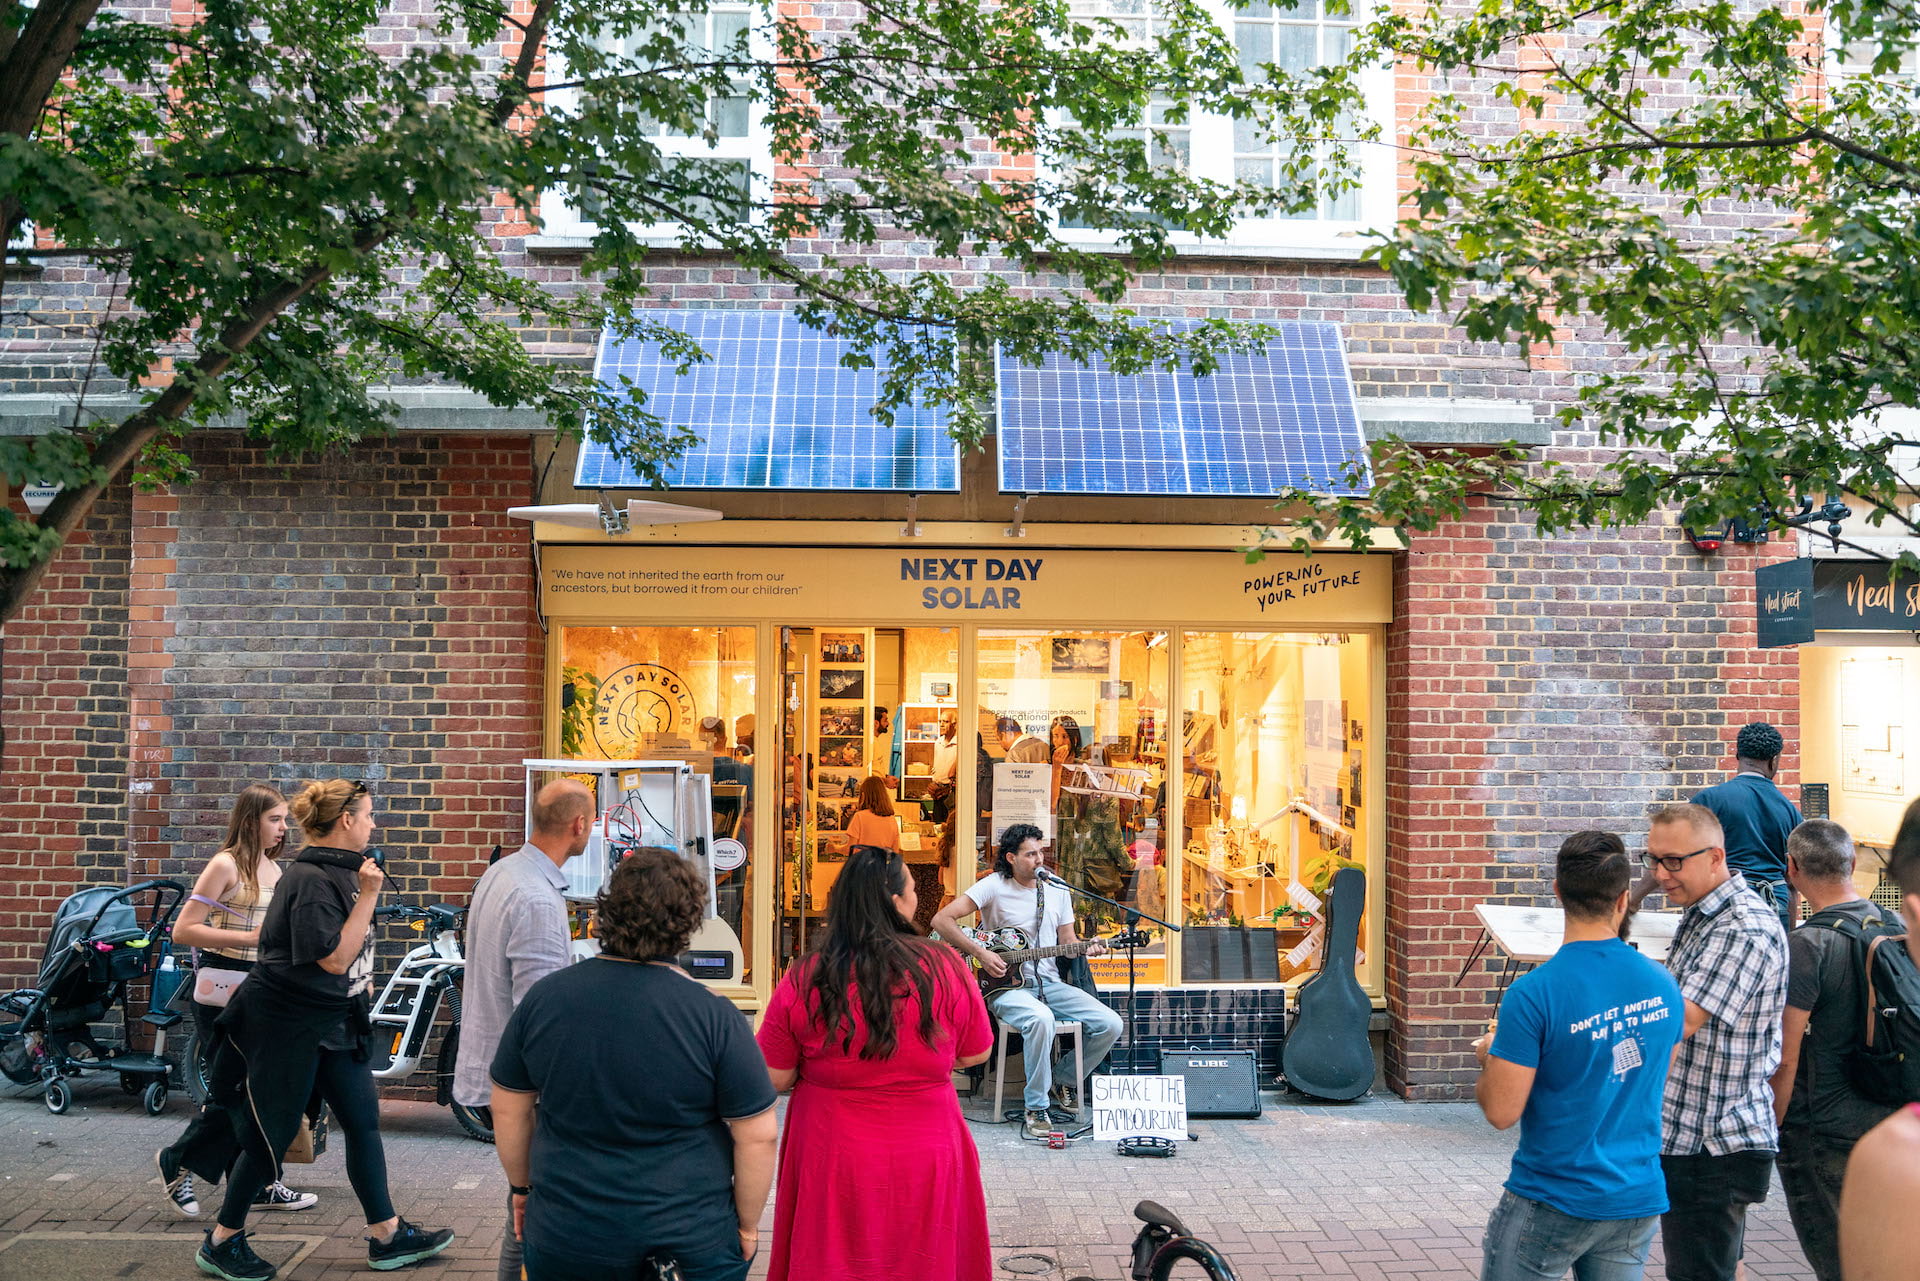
(566, 226)
(1212, 155)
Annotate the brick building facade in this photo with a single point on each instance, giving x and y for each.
(374, 615)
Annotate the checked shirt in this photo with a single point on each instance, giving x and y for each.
(1730, 958)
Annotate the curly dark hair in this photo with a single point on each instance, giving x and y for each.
(1016, 835)
(1758, 741)
(651, 906)
(868, 948)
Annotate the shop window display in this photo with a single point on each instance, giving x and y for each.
(1274, 729)
(673, 693)
(1072, 740)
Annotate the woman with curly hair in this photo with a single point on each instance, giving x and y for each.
(655, 1133)
(878, 1174)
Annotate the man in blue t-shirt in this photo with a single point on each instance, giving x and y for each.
(1579, 1059)
(1757, 817)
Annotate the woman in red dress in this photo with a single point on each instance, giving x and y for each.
(878, 1174)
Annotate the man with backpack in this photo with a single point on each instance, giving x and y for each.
(1821, 1110)
(1883, 1179)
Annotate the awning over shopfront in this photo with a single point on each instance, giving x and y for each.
(774, 409)
(1261, 422)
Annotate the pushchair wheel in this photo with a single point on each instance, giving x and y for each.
(155, 1098)
(59, 1097)
(130, 1084)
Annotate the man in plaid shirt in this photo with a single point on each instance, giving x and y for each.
(1730, 958)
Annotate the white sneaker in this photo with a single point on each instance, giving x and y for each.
(278, 1196)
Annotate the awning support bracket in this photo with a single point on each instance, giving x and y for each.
(1019, 527)
(912, 528)
(613, 520)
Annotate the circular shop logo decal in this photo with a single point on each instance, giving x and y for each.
(637, 705)
(728, 855)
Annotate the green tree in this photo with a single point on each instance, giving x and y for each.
(1691, 183)
(290, 204)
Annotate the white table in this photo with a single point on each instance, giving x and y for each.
(1530, 935)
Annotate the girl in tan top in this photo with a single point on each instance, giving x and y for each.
(873, 821)
(222, 921)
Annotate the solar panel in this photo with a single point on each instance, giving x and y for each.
(1266, 420)
(774, 409)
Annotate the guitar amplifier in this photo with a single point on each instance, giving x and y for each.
(1219, 1082)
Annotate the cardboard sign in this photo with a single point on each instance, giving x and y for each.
(1139, 1107)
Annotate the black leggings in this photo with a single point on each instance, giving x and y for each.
(347, 1088)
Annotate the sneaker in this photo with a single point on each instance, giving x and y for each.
(179, 1184)
(407, 1245)
(1065, 1098)
(1038, 1125)
(278, 1196)
(233, 1260)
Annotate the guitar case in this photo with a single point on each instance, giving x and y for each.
(1327, 1053)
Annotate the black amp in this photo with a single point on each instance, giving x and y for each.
(1219, 1082)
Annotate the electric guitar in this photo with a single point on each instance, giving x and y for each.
(1015, 946)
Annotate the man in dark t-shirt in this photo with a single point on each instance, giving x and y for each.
(1821, 1115)
(1756, 817)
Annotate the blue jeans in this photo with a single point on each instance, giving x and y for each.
(1531, 1241)
(1021, 1009)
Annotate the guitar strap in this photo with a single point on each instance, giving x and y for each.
(1039, 918)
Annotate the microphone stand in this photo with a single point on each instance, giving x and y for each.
(1133, 918)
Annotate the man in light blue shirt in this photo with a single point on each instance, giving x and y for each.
(1580, 1061)
(517, 935)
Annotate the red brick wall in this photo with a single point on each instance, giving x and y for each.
(368, 615)
(63, 711)
(1537, 687)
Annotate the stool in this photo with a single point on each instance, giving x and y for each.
(1000, 1067)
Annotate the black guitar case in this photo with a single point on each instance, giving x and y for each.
(1327, 1053)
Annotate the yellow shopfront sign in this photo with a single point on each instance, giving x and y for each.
(965, 584)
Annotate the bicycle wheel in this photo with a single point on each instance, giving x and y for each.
(476, 1121)
(194, 1067)
(1191, 1250)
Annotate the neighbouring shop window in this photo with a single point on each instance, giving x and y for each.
(673, 693)
(1277, 797)
(1072, 738)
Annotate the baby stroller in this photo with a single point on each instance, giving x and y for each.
(98, 945)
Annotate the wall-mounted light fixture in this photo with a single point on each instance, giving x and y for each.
(1706, 541)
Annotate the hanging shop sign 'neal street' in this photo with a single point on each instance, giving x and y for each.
(858, 585)
(1783, 595)
(1850, 595)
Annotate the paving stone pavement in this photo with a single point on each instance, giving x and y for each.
(1380, 1190)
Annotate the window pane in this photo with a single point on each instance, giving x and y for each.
(672, 693)
(1255, 42)
(1273, 726)
(730, 117)
(1296, 47)
(728, 30)
(1074, 742)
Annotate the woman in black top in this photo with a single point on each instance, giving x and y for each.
(297, 1030)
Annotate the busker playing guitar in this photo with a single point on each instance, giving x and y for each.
(1013, 895)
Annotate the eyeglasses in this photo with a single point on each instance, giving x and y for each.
(359, 790)
(1671, 862)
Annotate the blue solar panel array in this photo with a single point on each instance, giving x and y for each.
(774, 409)
(1263, 421)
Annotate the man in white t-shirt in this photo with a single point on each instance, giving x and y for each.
(1013, 895)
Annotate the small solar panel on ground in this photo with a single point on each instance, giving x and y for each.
(1262, 421)
(774, 409)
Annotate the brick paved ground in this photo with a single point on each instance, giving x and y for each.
(1377, 1191)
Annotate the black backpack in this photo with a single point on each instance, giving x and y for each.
(1883, 1064)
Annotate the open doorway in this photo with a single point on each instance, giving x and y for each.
(865, 710)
